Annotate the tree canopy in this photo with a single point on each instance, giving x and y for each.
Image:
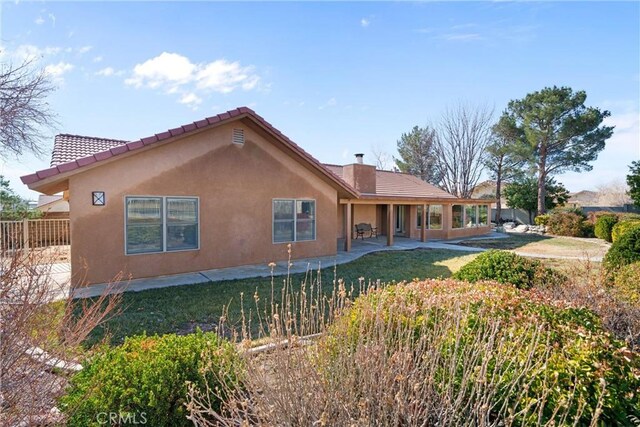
(633, 181)
(12, 206)
(523, 194)
(561, 133)
(416, 153)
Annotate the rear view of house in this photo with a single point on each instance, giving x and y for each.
(226, 191)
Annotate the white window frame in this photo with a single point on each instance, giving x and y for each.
(163, 222)
(295, 220)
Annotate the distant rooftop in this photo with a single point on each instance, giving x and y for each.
(68, 148)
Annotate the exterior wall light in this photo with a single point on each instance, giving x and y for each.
(98, 198)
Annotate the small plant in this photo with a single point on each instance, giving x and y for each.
(507, 267)
(604, 225)
(627, 283)
(625, 250)
(622, 227)
(566, 224)
(147, 378)
(541, 219)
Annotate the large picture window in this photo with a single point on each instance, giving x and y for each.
(294, 220)
(483, 215)
(471, 215)
(434, 217)
(161, 224)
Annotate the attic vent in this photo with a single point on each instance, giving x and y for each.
(238, 136)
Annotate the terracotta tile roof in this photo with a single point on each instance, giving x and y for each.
(122, 147)
(398, 184)
(68, 148)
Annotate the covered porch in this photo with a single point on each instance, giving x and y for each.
(410, 220)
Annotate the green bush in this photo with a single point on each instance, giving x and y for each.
(574, 357)
(625, 250)
(627, 283)
(622, 227)
(147, 378)
(566, 210)
(604, 225)
(541, 219)
(566, 224)
(588, 229)
(507, 267)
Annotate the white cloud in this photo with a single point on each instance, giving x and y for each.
(39, 20)
(84, 49)
(52, 17)
(29, 52)
(58, 70)
(224, 77)
(462, 37)
(98, 58)
(166, 69)
(173, 73)
(364, 22)
(106, 72)
(330, 103)
(190, 99)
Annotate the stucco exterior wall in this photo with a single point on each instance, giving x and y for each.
(365, 214)
(235, 185)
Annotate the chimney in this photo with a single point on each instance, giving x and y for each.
(362, 177)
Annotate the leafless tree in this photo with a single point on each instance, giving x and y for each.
(613, 193)
(41, 332)
(25, 114)
(463, 134)
(384, 160)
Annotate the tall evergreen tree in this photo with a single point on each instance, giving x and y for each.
(633, 181)
(416, 153)
(561, 132)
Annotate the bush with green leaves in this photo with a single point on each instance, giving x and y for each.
(627, 283)
(604, 225)
(541, 219)
(147, 377)
(622, 227)
(625, 250)
(559, 368)
(563, 223)
(507, 267)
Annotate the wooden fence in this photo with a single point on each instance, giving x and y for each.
(34, 233)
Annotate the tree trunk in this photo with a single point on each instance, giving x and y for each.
(498, 196)
(542, 178)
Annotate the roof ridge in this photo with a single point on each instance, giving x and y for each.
(91, 137)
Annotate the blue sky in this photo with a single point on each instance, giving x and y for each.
(337, 78)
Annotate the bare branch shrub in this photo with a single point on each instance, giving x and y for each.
(25, 114)
(414, 361)
(40, 336)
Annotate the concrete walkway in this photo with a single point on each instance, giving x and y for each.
(358, 249)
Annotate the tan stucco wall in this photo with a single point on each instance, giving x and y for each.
(365, 214)
(235, 184)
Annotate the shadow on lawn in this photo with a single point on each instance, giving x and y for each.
(184, 308)
(513, 241)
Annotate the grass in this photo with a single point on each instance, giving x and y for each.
(543, 245)
(183, 308)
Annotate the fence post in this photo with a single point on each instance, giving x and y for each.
(25, 236)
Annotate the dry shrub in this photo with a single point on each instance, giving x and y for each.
(590, 286)
(432, 353)
(41, 329)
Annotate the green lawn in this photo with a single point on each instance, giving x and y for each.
(544, 245)
(182, 308)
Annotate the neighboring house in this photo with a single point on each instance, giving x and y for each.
(53, 207)
(582, 198)
(226, 191)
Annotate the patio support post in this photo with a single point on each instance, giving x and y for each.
(347, 227)
(390, 227)
(423, 230)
